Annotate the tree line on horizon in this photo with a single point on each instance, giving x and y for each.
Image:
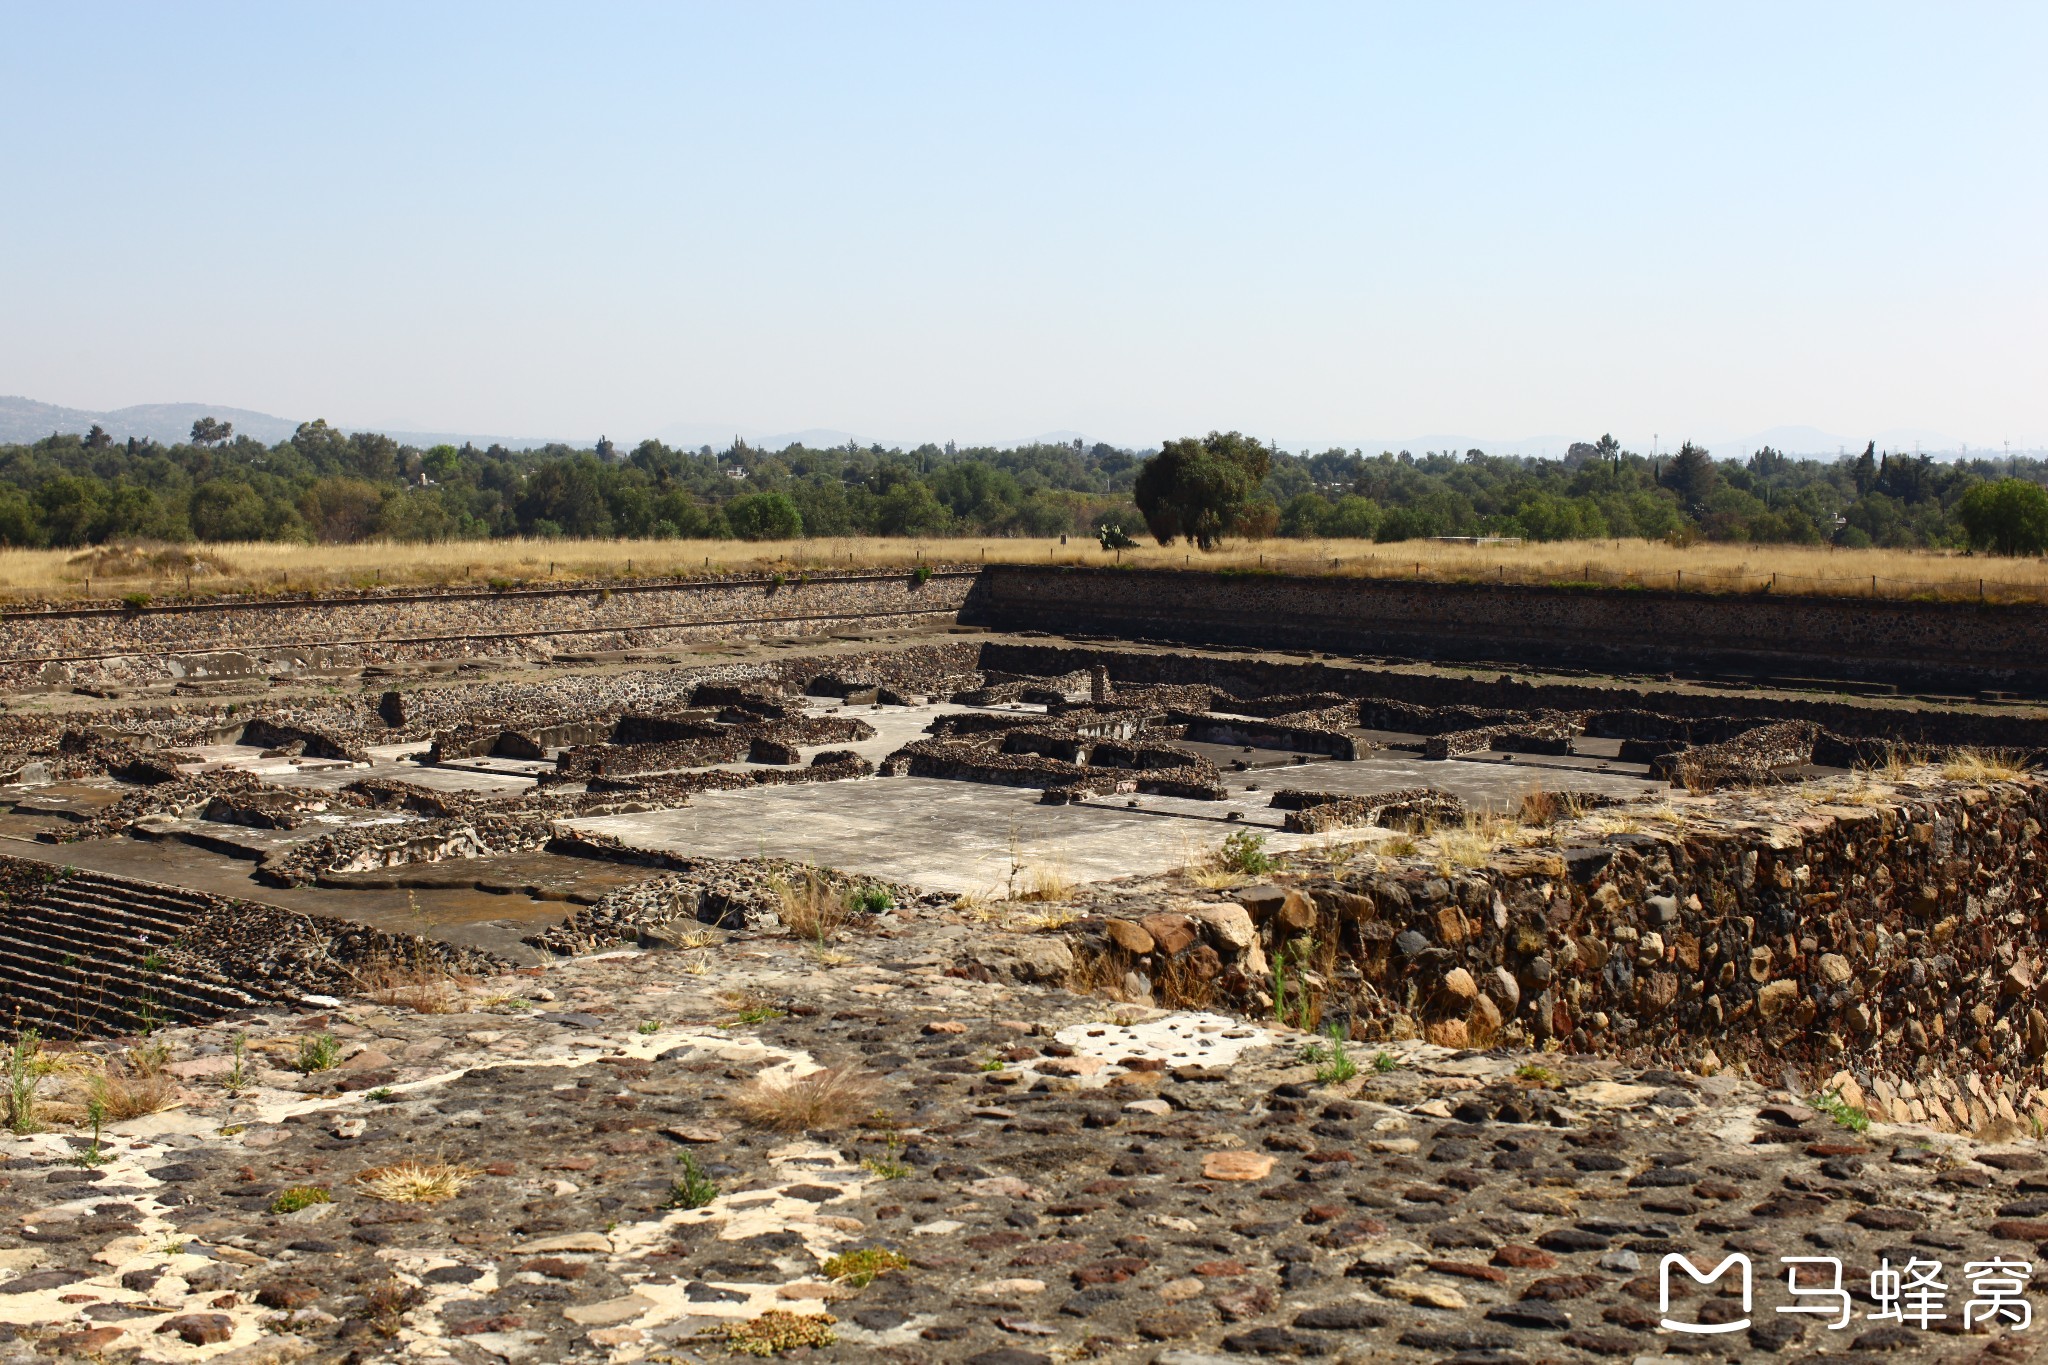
(323, 485)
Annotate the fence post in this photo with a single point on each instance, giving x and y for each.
(1980, 592)
(1873, 585)
(1681, 582)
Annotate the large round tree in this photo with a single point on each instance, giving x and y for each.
(1195, 487)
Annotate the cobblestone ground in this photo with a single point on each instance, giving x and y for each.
(983, 1171)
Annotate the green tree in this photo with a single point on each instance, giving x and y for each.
(2009, 517)
(19, 525)
(909, 509)
(211, 431)
(223, 509)
(1692, 476)
(1195, 487)
(341, 511)
(764, 516)
(72, 507)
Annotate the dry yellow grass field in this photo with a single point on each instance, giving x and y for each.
(109, 573)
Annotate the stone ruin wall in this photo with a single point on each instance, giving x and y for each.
(1941, 646)
(63, 646)
(1501, 692)
(1893, 950)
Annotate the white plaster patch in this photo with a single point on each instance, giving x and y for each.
(1185, 1039)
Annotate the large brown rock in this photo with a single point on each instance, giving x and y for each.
(1170, 933)
(1130, 937)
(1282, 907)
(1228, 926)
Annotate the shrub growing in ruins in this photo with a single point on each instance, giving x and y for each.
(692, 1189)
(1245, 852)
(26, 1068)
(830, 1098)
(320, 1052)
(418, 981)
(1983, 765)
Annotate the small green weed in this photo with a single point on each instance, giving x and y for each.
(26, 1067)
(300, 1197)
(96, 1109)
(321, 1052)
(887, 1166)
(859, 1268)
(871, 899)
(650, 1026)
(1384, 1062)
(383, 1094)
(1535, 1073)
(1842, 1112)
(1336, 1066)
(237, 1079)
(692, 1189)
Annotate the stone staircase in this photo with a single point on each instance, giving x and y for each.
(86, 954)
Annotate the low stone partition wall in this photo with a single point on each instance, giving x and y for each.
(58, 646)
(1939, 646)
(1429, 702)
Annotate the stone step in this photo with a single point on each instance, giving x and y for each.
(92, 926)
(66, 1011)
(140, 904)
(42, 963)
(51, 951)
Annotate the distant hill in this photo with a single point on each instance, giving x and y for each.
(24, 419)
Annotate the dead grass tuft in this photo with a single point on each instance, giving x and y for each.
(1984, 765)
(1042, 882)
(1476, 841)
(136, 1084)
(419, 982)
(809, 907)
(1181, 987)
(832, 1098)
(416, 1182)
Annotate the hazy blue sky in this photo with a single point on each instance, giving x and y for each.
(1318, 223)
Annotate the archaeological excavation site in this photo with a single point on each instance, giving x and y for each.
(1012, 965)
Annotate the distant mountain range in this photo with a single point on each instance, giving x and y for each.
(24, 419)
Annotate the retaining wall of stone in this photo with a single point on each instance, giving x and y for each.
(1893, 945)
(1918, 645)
(232, 637)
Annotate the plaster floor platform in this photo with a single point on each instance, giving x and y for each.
(968, 837)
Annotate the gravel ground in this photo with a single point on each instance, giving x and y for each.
(1053, 1177)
